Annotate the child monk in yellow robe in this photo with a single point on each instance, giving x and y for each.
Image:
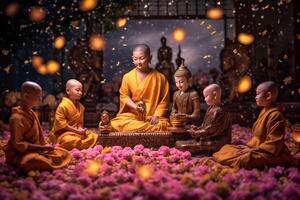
(26, 147)
(266, 148)
(68, 129)
(144, 96)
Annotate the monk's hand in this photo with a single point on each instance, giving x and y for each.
(48, 147)
(140, 107)
(153, 120)
(81, 131)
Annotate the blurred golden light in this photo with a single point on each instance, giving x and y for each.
(96, 43)
(12, 9)
(42, 69)
(37, 61)
(37, 14)
(215, 13)
(179, 34)
(244, 84)
(93, 167)
(59, 42)
(121, 22)
(245, 38)
(87, 5)
(145, 172)
(52, 66)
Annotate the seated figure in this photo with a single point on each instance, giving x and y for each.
(144, 97)
(266, 148)
(104, 124)
(215, 130)
(186, 101)
(26, 147)
(68, 129)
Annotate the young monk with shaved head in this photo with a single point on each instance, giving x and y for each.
(68, 129)
(26, 147)
(266, 148)
(215, 130)
(144, 96)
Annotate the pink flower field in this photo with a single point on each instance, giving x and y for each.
(141, 173)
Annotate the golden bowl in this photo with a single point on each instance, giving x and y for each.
(177, 121)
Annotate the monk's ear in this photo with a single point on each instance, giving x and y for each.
(268, 96)
(67, 90)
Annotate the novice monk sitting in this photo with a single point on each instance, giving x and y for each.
(266, 147)
(26, 147)
(144, 96)
(186, 101)
(215, 130)
(68, 129)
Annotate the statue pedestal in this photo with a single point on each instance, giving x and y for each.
(148, 139)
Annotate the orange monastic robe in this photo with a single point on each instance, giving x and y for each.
(69, 114)
(268, 137)
(155, 92)
(25, 129)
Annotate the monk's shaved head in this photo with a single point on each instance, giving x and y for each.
(269, 86)
(29, 87)
(71, 83)
(142, 47)
(213, 88)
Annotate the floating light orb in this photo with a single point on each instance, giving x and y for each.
(59, 42)
(245, 38)
(93, 167)
(12, 9)
(179, 34)
(145, 172)
(96, 43)
(37, 61)
(52, 66)
(215, 13)
(37, 14)
(87, 5)
(42, 69)
(244, 84)
(121, 22)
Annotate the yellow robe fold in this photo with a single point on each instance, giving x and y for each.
(25, 129)
(268, 136)
(69, 114)
(155, 91)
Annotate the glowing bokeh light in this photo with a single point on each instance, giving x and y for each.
(52, 66)
(93, 167)
(244, 84)
(12, 9)
(42, 69)
(215, 13)
(245, 38)
(145, 172)
(121, 22)
(59, 42)
(37, 61)
(96, 43)
(37, 14)
(179, 34)
(87, 5)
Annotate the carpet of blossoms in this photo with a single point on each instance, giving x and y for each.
(142, 173)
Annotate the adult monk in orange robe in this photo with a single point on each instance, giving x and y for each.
(68, 129)
(266, 148)
(26, 147)
(144, 96)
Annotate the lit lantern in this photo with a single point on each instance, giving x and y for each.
(42, 69)
(121, 22)
(59, 42)
(245, 38)
(244, 84)
(37, 61)
(52, 66)
(12, 9)
(215, 13)
(37, 14)
(179, 34)
(87, 5)
(96, 43)
(93, 167)
(145, 172)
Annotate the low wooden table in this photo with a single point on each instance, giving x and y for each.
(148, 139)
